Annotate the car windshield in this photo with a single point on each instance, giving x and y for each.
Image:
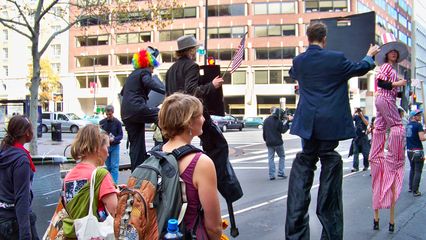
(72, 116)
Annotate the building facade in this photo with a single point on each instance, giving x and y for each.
(100, 57)
(16, 57)
(419, 49)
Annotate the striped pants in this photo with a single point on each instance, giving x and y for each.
(387, 170)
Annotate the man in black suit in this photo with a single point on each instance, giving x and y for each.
(184, 76)
(322, 118)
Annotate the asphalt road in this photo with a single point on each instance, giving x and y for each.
(260, 213)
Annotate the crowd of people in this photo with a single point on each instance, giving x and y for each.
(322, 119)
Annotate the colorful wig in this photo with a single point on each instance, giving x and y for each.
(143, 59)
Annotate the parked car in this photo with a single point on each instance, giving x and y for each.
(94, 119)
(227, 122)
(256, 122)
(69, 121)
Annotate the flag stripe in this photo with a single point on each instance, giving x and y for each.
(239, 54)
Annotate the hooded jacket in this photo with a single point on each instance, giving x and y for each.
(15, 188)
(272, 130)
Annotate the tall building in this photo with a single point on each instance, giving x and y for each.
(16, 56)
(419, 49)
(276, 34)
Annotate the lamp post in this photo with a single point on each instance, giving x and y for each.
(205, 31)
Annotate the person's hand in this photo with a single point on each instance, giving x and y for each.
(290, 118)
(373, 50)
(400, 83)
(217, 82)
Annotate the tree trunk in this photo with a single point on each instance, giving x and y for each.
(35, 83)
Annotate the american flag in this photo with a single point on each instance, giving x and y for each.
(239, 54)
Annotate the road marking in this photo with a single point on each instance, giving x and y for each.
(273, 200)
(50, 204)
(243, 146)
(48, 175)
(57, 190)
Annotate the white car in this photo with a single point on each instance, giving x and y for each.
(69, 121)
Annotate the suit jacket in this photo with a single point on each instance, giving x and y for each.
(323, 111)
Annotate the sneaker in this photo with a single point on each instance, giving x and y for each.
(282, 176)
(271, 178)
(354, 170)
(417, 194)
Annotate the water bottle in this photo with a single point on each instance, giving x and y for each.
(173, 230)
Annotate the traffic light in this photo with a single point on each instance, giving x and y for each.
(296, 89)
(211, 61)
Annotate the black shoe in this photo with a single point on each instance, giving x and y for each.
(365, 169)
(271, 178)
(376, 224)
(417, 194)
(354, 170)
(409, 190)
(282, 176)
(391, 227)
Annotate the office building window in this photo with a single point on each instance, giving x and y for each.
(5, 53)
(89, 61)
(381, 3)
(124, 59)
(222, 54)
(402, 20)
(125, 38)
(128, 17)
(275, 77)
(5, 35)
(392, 12)
(226, 32)
(56, 50)
(326, 6)
(56, 67)
(172, 35)
(275, 53)
(94, 20)
(103, 80)
(226, 10)
(239, 77)
(168, 57)
(274, 8)
(261, 76)
(362, 8)
(84, 41)
(6, 71)
(179, 13)
(275, 30)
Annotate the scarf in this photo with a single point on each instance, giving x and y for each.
(20, 146)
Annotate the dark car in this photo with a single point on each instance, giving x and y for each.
(227, 122)
(256, 122)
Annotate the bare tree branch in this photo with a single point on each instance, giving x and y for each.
(52, 4)
(12, 22)
(46, 45)
(14, 29)
(23, 16)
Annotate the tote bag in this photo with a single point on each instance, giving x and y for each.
(89, 227)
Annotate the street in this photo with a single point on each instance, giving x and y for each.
(260, 213)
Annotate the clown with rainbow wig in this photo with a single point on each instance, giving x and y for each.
(134, 109)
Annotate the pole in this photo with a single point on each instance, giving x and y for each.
(205, 31)
(94, 85)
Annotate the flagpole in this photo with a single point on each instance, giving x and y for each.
(232, 59)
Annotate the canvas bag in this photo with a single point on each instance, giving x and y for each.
(153, 195)
(89, 227)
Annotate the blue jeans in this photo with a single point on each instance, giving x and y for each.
(361, 146)
(271, 154)
(113, 161)
(416, 168)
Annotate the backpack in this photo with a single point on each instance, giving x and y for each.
(154, 194)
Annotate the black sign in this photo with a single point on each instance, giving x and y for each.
(214, 101)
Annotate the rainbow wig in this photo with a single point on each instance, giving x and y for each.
(144, 59)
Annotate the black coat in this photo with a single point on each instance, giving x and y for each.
(272, 130)
(183, 76)
(135, 95)
(323, 110)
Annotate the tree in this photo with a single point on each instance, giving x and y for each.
(49, 83)
(27, 18)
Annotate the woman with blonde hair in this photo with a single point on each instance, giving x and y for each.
(181, 119)
(90, 148)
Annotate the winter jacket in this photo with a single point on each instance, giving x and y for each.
(135, 95)
(272, 130)
(15, 188)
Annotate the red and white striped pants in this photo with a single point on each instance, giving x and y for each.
(387, 170)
